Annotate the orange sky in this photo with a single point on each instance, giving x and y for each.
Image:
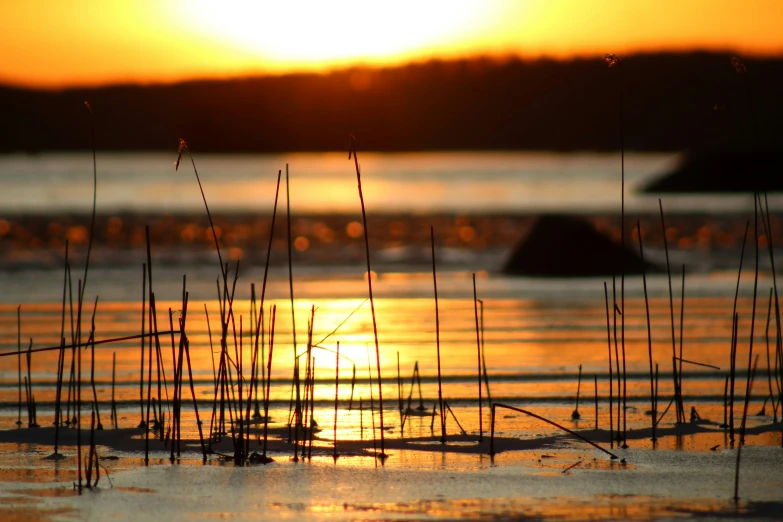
(53, 43)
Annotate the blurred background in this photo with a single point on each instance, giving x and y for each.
(501, 124)
(471, 116)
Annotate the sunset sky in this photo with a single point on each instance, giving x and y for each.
(55, 43)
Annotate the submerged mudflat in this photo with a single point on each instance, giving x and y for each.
(551, 475)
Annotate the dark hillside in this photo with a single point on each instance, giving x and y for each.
(673, 101)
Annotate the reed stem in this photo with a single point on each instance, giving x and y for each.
(478, 357)
(437, 342)
(649, 334)
(609, 344)
(351, 152)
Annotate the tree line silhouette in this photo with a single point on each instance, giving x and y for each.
(672, 102)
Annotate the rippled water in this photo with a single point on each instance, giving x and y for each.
(536, 333)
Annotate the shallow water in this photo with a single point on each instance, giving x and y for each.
(535, 334)
(468, 182)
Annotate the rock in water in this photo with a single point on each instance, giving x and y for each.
(566, 246)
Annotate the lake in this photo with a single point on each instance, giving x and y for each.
(536, 331)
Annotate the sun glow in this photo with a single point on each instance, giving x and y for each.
(81, 42)
(318, 33)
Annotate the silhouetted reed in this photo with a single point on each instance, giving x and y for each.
(259, 324)
(293, 414)
(676, 380)
(312, 412)
(621, 378)
(682, 328)
(19, 361)
(142, 424)
(556, 425)
(60, 362)
(767, 223)
(613, 61)
(437, 341)
(752, 316)
(336, 394)
(749, 389)
(352, 154)
(595, 377)
(478, 356)
(483, 356)
(609, 344)
(453, 416)
(400, 406)
(353, 384)
(732, 373)
(649, 333)
(91, 341)
(733, 353)
(769, 363)
(32, 421)
(113, 410)
(273, 314)
(575, 414)
(372, 410)
(726, 402)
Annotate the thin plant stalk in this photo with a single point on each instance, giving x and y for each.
(437, 342)
(483, 354)
(399, 397)
(273, 313)
(295, 380)
(352, 153)
(336, 393)
(616, 312)
(575, 414)
(113, 413)
(556, 425)
(19, 361)
(613, 60)
(142, 424)
(753, 313)
(733, 353)
(60, 360)
(751, 375)
(372, 408)
(769, 364)
(677, 397)
(649, 335)
(609, 344)
(259, 323)
(478, 357)
(595, 377)
(682, 328)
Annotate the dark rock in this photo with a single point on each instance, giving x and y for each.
(565, 246)
(725, 170)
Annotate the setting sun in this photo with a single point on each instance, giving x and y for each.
(91, 42)
(328, 33)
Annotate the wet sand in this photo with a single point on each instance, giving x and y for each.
(553, 477)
